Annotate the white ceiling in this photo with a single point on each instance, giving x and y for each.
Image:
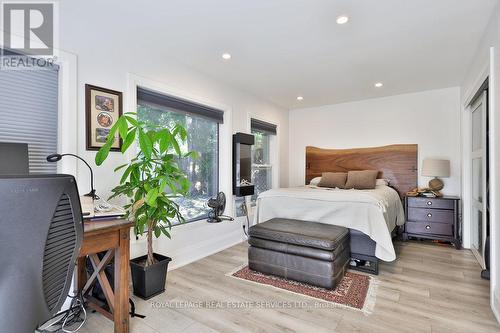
(284, 48)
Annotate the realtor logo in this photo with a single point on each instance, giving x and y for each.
(28, 28)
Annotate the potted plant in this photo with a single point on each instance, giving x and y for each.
(151, 181)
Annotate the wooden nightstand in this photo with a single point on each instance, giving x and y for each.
(433, 218)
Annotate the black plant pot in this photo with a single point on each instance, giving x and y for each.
(149, 281)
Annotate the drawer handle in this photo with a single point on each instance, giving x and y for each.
(429, 215)
(429, 203)
(427, 227)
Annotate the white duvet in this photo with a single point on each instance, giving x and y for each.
(374, 212)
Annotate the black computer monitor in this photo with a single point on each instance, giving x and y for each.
(14, 158)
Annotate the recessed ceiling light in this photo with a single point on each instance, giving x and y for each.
(379, 84)
(226, 56)
(300, 98)
(342, 19)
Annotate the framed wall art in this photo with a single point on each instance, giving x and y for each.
(102, 108)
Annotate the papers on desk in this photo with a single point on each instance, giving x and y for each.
(99, 210)
(114, 212)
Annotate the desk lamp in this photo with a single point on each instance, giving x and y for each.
(57, 157)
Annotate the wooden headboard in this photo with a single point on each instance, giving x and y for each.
(398, 163)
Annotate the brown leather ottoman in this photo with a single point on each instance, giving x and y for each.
(310, 252)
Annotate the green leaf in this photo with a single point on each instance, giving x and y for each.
(123, 127)
(165, 139)
(165, 200)
(112, 131)
(152, 135)
(135, 176)
(171, 213)
(157, 232)
(145, 144)
(120, 167)
(181, 131)
(151, 197)
(172, 188)
(141, 223)
(184, 184)
(176, 146)
(126, 174)
(152, 212)
(165, 231)
(193, 154)
(131, 120)
(128, 140)
(102, 154)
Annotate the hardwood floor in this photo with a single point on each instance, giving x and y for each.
(429, 288)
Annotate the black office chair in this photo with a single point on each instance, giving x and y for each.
(41, 230)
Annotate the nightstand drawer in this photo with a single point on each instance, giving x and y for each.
(431, 215)
(443, 229)
(430, 203)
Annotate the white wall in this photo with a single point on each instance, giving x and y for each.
(430, 119)
(487, 64)
(112, 69)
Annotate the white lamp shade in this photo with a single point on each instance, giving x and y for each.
(436, 168)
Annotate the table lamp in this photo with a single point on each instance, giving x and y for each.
(57, 157)
(436, 168)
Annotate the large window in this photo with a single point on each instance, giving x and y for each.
(203, 137)
(262, 159)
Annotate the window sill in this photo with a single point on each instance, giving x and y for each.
(191, 221)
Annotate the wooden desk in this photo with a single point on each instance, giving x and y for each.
(112, 236)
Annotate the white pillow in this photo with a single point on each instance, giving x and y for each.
(382, 182)
(315, 181)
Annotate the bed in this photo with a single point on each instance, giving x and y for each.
(372, 216)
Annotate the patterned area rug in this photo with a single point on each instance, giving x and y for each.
(354, 290)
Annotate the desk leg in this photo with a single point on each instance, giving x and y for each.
(122, 256)
(81, 274)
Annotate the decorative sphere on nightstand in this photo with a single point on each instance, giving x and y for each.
(436, 184)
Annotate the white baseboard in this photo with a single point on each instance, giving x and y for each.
(188, 254)
(192, 241)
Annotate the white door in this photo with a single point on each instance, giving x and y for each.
(478, 167)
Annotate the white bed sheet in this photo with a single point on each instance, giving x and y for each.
(374, 212)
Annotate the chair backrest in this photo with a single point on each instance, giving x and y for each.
(41, 230)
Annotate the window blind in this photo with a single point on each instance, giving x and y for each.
(263, 126)
(158, 100)
(29, 113)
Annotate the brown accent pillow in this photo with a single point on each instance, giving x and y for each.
(361, 180)
(333, 179)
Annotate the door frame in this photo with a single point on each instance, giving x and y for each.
(481, 97)
(466, 121)
(489, 69)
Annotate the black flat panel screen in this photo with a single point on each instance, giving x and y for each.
(14, 159)
(244, 152)
(242, 164)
